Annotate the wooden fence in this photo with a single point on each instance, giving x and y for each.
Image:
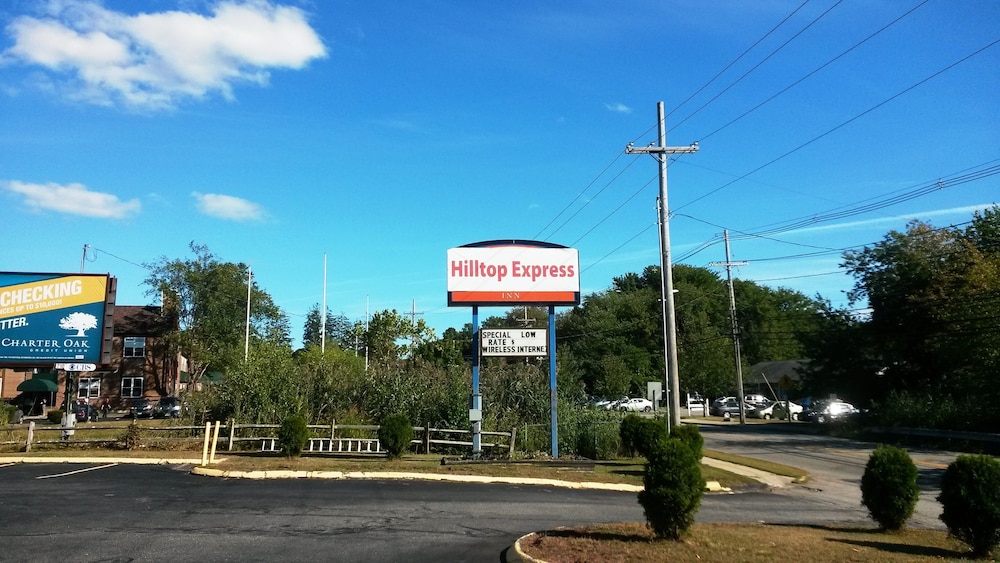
(325, 438)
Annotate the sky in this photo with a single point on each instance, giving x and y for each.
(362, 140)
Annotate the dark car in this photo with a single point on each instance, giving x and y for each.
(167, 407)
(826, 411)
(725, 405)
(142, 408)
(85, 412)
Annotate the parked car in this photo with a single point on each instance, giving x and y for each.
(143, 408)
(763, 410)
(635, 405)
(825, 411)
(85, 412)
(167, 407)
(694, 403)
(613, 405)
(793, 407)
(756, 399)
(725, 405)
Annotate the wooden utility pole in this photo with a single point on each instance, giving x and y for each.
(660, 152)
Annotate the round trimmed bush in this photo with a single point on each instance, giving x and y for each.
(970, 497)
(691, 436)
(889, 487)
(672, 488)
(395, 434)
(293, 435)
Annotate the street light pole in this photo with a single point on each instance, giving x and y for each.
(660, 152)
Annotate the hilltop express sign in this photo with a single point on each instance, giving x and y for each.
(499, 273)
(48, 318)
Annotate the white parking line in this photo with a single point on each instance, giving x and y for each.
(77, 471)
(7, 464)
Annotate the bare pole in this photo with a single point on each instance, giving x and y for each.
(322, 321)
(246, 340)
(660, 152)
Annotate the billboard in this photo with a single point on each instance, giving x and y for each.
(47, 318)
(513, 272)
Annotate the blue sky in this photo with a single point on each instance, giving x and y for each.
(383, 133)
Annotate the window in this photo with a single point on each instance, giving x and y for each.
(88, 388)
(131, 387)
(134, 347)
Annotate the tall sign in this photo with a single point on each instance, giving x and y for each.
(50, 318)
(505, 273)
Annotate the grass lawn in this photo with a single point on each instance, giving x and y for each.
(708, 543)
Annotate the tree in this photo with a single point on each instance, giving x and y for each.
(935, 301)
(391, 337)
(80, 322)
(209, 299)
(338, 329)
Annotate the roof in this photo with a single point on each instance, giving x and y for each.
(147, 320)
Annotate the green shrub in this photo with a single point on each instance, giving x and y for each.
(293, 435)
(395, 434)
(672, 488)
(597, 441)
(889, 487)
(970, 498)
(629, 433)
(691, 436)
(133, 438)
(652, 432)
(55, 416)
(6, 414)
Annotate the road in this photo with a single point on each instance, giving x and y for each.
(835, 466)
(81, 512)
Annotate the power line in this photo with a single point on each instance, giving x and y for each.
(842, 124)
(764, 60)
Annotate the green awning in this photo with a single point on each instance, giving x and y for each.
(38, 385)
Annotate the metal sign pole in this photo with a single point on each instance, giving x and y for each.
(476, 406)
(552, 382)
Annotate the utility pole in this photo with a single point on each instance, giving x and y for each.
(735, 324)
(413, 321)
(660, 152)
(83, 260)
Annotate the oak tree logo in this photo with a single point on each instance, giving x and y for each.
(80, 322)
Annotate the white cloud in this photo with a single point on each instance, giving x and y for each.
(154, 61)
(228, 207)
(618, 108)
(74, 199)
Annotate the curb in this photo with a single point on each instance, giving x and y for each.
(710, 486)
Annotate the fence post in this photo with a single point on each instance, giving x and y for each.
(31, 435)
(215, 442)
(232, 433)
(427, 437)
(204, 449)
(513, 434)
(333, 424)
